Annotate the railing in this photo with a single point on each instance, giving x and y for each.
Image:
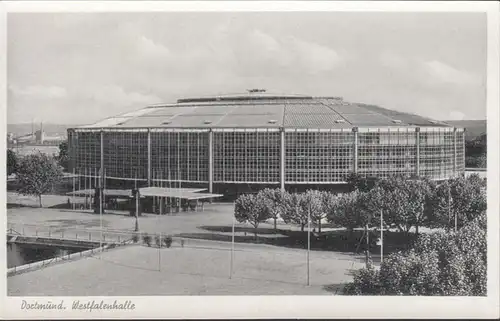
(69, 233)
(41, 232)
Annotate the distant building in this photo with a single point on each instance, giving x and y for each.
(39, 136)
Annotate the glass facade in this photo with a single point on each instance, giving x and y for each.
(126, 154)
(250, 156)
(437, 153)
(180, 156)
(385, 153)
(318, 156)
(84, 150)
(254, 155)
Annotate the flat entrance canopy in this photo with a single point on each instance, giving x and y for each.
(180, 193)
(125, 193)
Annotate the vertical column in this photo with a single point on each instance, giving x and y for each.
(355, 152)
(101, 178)
(454, 151)
(210, 161)
(101, 167)
(282, 159)
(149, 157)
(71, 151)
(417, 145)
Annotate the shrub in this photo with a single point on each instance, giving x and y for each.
(158, 240)
(366, 282)
(439, 264)
(135, 238)
(147, 239)
(167, 241)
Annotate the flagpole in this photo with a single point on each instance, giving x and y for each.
(101, 194)
(85, 187)
(159, 248)
(381, 236)
(232, 250)
(74, 177)
(136, 204)
(79, 179)
(308, 240)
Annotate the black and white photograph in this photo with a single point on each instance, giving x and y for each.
(308, 156)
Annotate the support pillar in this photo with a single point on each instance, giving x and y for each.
(417, 152)
(282, 159)
(210, 161)
(355, 152)
(149, 157)
(101, 176)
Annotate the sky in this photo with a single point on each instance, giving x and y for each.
(77, 68)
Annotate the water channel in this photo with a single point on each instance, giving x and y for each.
(20, 253)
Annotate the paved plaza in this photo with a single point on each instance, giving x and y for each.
(136, 270)
(193, 267)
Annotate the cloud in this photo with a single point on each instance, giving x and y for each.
(149, 48)
(427, 72)
(393, 60)
(441, 72)
(287, 53)
(38, 91)
(456, 115)
(117, 96)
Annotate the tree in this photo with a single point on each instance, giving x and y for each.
(348, 211)
(294, 210)
(63, 157)
(36, 174)
(462, 197)
(11, 162)
(317, 203)
(250, 208)
(358, 182)
(274, 203)
(405, 202)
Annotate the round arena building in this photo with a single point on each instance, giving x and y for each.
(241, 143)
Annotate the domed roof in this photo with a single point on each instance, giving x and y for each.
(259, 109)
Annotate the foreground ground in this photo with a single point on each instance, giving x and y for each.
(200, 267)
(193, 270)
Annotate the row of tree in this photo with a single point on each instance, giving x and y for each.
(405, 204)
